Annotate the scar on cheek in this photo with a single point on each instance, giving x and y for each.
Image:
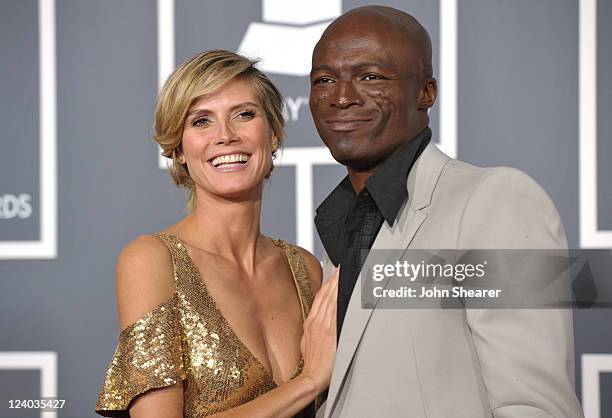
(377, 93)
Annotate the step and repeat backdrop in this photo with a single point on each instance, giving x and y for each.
(522, 83)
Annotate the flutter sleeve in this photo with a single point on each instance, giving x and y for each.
(148, 356)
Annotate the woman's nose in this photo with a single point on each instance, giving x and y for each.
(225, 134)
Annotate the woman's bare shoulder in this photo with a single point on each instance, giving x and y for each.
(144, 278)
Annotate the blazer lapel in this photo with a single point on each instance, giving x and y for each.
(420, 183)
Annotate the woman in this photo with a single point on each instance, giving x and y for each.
(213, 313)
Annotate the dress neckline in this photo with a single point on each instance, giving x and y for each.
(285, 247)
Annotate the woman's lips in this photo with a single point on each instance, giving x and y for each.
(230, 167)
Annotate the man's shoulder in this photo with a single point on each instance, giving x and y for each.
(461, 172)
(450, 181)
(463, 181)
(434, 159)
(497, 207)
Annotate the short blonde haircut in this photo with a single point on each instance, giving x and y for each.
(201, 75)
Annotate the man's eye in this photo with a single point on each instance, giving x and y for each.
(202, 121)
(369, 77)
(323, 80)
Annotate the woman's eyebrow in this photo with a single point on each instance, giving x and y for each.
(201, 111)
(244, 104)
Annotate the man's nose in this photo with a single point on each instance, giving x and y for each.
(225, 133)
(346, 95)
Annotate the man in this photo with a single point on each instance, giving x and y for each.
(371, 88)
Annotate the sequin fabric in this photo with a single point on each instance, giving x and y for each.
(187, 338)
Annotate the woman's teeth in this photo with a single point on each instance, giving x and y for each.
(229, 159)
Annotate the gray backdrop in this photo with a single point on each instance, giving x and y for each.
(518, 105)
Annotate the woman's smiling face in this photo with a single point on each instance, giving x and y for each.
(227, 142)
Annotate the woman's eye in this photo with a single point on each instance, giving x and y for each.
(246, 114)
(200, 121)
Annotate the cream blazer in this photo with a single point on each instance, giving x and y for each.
(457, 363)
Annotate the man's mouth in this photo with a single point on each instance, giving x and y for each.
(227, 159)
(348, 124)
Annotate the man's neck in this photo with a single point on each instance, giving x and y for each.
(359, 178)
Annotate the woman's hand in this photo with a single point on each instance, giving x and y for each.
(319, 340)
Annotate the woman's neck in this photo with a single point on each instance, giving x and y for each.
(229, 228)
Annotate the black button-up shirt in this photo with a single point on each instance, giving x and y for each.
(348, 222)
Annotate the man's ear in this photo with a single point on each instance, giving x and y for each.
(429, 93)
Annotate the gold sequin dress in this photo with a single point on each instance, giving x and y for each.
(187, 338)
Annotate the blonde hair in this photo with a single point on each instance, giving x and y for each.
(201, 75)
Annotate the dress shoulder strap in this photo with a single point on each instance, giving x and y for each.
(301, 275)
(183, 268)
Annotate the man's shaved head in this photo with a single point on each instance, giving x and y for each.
(399, 23)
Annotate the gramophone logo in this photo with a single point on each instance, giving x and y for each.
(288, 33)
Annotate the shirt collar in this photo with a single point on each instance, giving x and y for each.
(388, 185)
(387, 188)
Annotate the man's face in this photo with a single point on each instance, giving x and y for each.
(365, 93)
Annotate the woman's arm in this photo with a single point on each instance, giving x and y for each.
(144, 279)
(164, 402)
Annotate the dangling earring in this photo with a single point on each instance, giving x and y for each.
(274, 144)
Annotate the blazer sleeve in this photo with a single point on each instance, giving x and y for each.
(148, 355)
(526, 355)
